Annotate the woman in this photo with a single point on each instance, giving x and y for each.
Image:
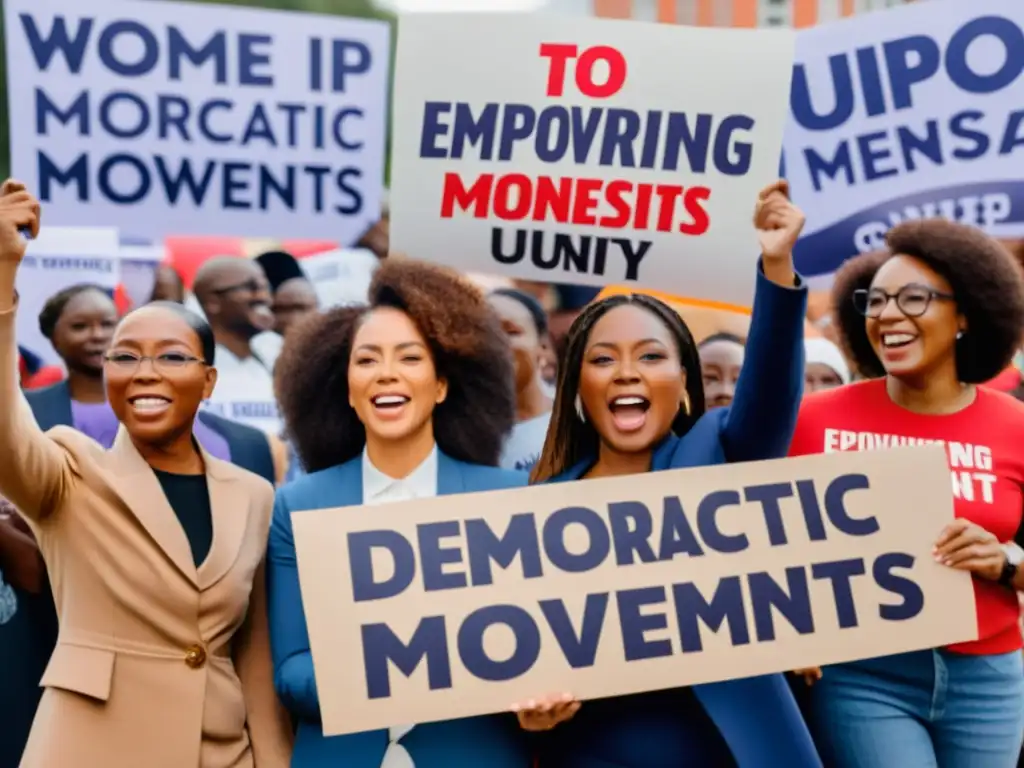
(630, 400)
(420, 401)
(825, 366)
(154, 550)
(721, 359)
(934, 315)
(526, 326)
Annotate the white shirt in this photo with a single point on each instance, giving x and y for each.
(523, 446)
(245, 391)
(379, 488)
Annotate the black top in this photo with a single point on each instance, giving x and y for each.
(189, 497)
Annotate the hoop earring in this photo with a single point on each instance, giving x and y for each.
(579, 410)
(686, 402)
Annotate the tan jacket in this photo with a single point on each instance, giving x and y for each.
(158, 664)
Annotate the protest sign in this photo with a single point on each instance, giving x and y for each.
(458, 606)
(915, 113)
(586, 151)
(57, 259)
(177, 118)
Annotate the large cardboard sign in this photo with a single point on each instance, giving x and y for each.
(586, 151)
(460, 605)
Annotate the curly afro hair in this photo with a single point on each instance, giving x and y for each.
(469, 349)
(986, 281)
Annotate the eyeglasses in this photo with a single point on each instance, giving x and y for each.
(168, 363)
(250, 286)
(912, 300)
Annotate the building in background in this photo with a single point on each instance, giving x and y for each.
(728, 13)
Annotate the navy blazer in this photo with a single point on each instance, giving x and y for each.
(494, 741)
(249, 447)
(757, 717)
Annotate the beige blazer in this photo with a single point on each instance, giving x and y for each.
(158, 664)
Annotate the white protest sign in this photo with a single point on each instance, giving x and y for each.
(170, 118)
(459, 605)
(586, 151)
(57, 259)
(917, 112)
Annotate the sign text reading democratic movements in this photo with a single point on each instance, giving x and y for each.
(198, 114)
(749, 567)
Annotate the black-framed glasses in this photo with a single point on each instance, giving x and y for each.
(167, 363)
(252, 285)
(912, 300)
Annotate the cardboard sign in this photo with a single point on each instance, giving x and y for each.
(586, 151)
(460, 605)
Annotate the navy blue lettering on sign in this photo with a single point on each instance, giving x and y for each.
(196, 169)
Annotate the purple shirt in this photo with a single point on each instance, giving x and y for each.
(97, 420)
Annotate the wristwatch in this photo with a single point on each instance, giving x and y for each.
(1014, 558)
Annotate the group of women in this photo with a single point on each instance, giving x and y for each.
(183, 640)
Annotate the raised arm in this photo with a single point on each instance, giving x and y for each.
(289, 639)
(760, 422)
(35, 473)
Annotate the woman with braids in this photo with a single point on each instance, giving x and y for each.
(630, 399)
(408, 398)
(931, 317)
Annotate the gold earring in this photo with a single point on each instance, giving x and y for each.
(686, 402)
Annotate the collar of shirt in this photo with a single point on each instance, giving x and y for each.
(421, 483)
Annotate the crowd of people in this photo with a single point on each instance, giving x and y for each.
(150, 609)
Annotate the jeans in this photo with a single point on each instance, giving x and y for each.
(926, 709)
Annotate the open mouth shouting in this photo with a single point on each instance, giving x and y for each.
(389, 405)
(896, 344)
(629, 412)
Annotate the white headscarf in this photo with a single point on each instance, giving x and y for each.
(818, 350)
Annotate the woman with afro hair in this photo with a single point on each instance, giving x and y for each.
(410, 397)
(931, 317)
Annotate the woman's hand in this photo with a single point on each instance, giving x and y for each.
(969, 547)
(19, 210)
(544, 714)
(778, 223)
(810, 675)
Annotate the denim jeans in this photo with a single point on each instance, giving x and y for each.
(926, 709)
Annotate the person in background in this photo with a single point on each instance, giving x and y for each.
(526, 327)
(28, 632)
(928, 319)
(163, 655)
(167, 285)
(630, 400)
(721, 359)
(409, 398)
(293, 296)
(235, 298)
(825, 366)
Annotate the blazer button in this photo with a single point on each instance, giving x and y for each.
(195, 656)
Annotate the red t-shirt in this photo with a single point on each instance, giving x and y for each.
(985, 445)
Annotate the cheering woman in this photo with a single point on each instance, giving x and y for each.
(409, 398)
(154, 550)
(630, 399)
(931, 317)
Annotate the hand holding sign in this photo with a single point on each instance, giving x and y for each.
(545, 714)
(778, 223)
(19, 210)
(969, 547)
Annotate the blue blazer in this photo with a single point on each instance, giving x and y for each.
(757, 717)
(249, 447)
(494, 741)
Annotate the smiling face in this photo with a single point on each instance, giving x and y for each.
(720, 364)
(155, 376)
(908, 346)
(83, 331)
(392, 382)
(631, 380)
